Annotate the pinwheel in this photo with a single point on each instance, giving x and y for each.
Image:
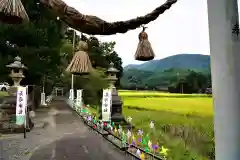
(129, 119)
(164, 151)
(150, 144)
(138, 153)
(142, 156)
(133, 140)
(124, 140)
(129, 134)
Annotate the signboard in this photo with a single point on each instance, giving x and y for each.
(106, 105)
(21, 105)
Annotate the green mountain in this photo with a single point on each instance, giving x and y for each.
(180, 61)
(167, 71)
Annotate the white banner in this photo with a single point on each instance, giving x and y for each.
(106, 105)
(78, 103)
(43, 101)
(21, 105)
(71, 94)
(21, 101)
(79, 96)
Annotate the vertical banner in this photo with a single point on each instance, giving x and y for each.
(106, 105)
(43, 101)
(21, 105)
(79, 99)
(71, 98)
(71, 94)
(79, 96)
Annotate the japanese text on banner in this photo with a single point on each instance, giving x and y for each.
(21, 105)
(79, 97)
(21, 101)
(106, 105)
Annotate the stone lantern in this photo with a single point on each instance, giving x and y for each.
(112, 75)
(16, 74)
(116, 108)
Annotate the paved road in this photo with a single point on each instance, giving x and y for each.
(64, 138)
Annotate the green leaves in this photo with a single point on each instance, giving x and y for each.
(173, 80)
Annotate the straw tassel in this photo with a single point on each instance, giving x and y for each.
(80, 63)
(144, 50)
(12, 12)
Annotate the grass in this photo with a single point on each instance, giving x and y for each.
(186, 137)
(183, 123)
(2, 94)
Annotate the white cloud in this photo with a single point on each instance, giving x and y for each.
(182, 29)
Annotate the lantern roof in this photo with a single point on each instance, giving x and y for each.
(112, 69)
(17, 64)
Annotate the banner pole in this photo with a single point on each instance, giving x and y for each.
(26, 113)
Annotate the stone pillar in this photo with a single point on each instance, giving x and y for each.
(225, 68)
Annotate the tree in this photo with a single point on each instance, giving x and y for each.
(176, 80)
(113, 57)
(101, 54)
(37, 43)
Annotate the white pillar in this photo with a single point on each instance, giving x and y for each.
(225, 67)
(43, 97)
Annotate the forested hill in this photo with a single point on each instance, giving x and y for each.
(191, 69)
(180, 61)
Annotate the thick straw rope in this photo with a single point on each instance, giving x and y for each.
(95, 26)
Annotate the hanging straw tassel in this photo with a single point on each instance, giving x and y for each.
(144, 50)
(80, 63)
(12, 12)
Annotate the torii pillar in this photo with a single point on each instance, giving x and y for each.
(225, 68)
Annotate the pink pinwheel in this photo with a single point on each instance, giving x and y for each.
(105, 124)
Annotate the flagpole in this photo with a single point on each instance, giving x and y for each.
(26, 113)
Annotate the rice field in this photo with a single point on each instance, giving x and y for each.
(158, 94)
(192, 106)
(183, 123)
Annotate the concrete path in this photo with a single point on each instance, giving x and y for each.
(62, 137)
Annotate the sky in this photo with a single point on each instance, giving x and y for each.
(182, 29)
